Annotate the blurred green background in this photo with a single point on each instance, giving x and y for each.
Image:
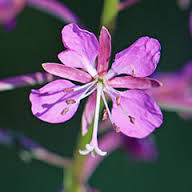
(37, 39)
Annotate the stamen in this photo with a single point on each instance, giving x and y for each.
(64, 111)
(117, 129)
(107, 108)
(132, 119)
(68, 90)
(118, 100)
(112, 72)
(70, 101)
(82, 96)
(111, 93)
(105, 115)
(93, 146)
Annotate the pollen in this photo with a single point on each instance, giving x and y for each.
(118, 100)
(132, 119)
(70, 101)
(64, 111)
(105, 114)
(117, 129)
(68, 90)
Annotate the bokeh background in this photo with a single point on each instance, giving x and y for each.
(37, 39)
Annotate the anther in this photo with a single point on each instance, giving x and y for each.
(132, 119)
(133, 73)
(118, 100)
(68, 90)
(117, 129)
(105, 114)
(70, 101)
(64, 111)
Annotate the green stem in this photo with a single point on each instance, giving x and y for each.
(110, 11)
(72, 180)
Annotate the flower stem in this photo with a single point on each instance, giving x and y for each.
(109, 14)
(73, 180)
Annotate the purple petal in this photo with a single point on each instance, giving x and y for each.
(55, 8)
(50, 102)
(104, 50)
(88, 113)
(141, 149)
(133, 82)
(81, 41)
(67, 72)
(140, 59)
(138, 115)
(71, 59)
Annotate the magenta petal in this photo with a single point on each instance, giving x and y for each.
(140, 114)
(67, 72)
(133, 82)
(104, 50)
(88, 113)
(140, 59)
(80, 41)
(49, 102)
(71, 59)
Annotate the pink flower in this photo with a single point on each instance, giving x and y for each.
(175, 94)
(134, 113)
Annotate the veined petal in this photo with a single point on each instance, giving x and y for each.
(71, 59)
(67, 72)
(137, 115)
(104, 50)
(50, 102)
(88, 113)
(80, 41)
(133, 82)
(140, 59)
